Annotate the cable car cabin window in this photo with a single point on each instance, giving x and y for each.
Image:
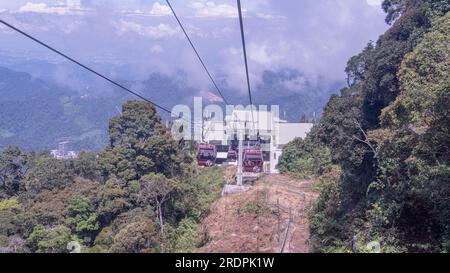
(206, 155)
(222, 148)
(253, 158)
(252, 143)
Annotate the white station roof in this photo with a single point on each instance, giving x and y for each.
(290, 131)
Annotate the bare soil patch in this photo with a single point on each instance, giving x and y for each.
(256, 220)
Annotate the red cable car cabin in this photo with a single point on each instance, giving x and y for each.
(206, 155)
(232, 156)
(253, 160)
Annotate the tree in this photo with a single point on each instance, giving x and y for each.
(305, 158)
(358, 65)
(395, 8)
(112, 201)
(139, 144)
(388, 132)
(424, 81)
(197, 192)
(15, 244)
(49, 173)
(13, 167)
(9, 209)
(136, 237)
(185, 237)
(86, 166)
(155, 191)
(82, 218)
(103, 241)
(49, 240)
(416, 154)
(125, 199)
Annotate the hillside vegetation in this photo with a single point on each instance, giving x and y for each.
(36, 113)
(381, 149)
(143, 193)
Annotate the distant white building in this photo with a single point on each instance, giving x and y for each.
(61, 153)
(273, 132)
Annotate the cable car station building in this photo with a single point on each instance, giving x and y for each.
(257, 128)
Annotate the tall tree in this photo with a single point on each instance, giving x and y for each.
(139, 144)
(13, 167)
(155, 191)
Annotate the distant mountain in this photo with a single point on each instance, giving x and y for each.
(293, 92)
(35, 113)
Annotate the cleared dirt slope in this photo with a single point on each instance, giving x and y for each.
(256, 220)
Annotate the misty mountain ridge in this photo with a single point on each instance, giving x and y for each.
(50, 111)
(296, 94)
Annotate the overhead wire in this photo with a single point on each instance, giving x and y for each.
(203, 63)
(190, 42)
(241, 23)
(197, 53)
(86, 67)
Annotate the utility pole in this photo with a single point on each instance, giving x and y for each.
(240, 159)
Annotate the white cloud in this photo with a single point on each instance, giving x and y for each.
(72, 8)
(137, 12)
(296, 84)
(315, 37)
(156, 49)
(154, 32)
(157, 10)
(72, 27)
(4, 29)
(73, 4)
(263, 55)
(220, 32)
(160, 10)
(211, 9)
(264, 16)
(375, 3)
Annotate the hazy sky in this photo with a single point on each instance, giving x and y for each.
(316, 37)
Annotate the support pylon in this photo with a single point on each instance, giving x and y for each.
(239, 174)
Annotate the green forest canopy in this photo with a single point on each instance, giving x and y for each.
(381, 150)
(143, 193)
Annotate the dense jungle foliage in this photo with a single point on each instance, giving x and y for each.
(382, 148)
(143, 193)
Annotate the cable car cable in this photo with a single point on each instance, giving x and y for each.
(85, 67)
(241, 22)
(196, 53)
